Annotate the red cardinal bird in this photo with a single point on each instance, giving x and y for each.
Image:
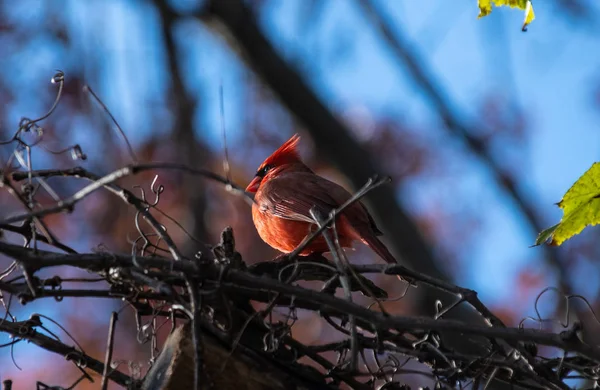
(286, 190)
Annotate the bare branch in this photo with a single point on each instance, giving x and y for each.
(26, 330)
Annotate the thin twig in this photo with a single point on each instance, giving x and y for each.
(343, 275)
(87, 88)
(195, 309)
(17, 330)
(370, 185)
(109, 350)
(226, 167)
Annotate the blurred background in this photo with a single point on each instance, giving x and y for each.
(481, 126)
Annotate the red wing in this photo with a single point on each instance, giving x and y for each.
(291, 196)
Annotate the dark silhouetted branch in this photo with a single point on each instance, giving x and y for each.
(239, 280)
(26, 330)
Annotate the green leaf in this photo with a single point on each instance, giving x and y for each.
(581, 207)
(485, 8)
(545, 235)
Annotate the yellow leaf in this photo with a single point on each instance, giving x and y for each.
(485, 8)
(581, 207)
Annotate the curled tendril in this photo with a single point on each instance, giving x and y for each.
(135, 369)
(77, 358)
(567, 298)
(58, 78)
(27, 125)
(274, 337)
(144, 333)
(439, 312)
(156, 190)
(75, 150)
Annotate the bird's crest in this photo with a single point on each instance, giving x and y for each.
(287, 153)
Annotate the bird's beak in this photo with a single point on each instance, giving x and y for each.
(254, 184)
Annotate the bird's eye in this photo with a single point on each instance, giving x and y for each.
(263, 171)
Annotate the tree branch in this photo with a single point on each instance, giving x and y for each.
(239, 280)
(26, 330)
